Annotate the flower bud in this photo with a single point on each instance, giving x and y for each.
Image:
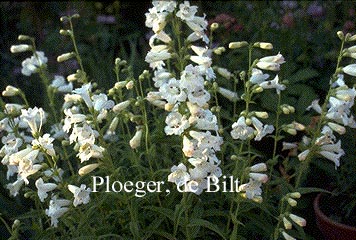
(263, 45)
(20, 48)
(292, 202)
(10, 91)
(121, 106)
(224, 72)
(234, 45)
(232, 96)
(76, 15)
(291, 109)
(303, 155)
(135, 142)
(64, 32)
(23, 38)
(119, 85)
(258, 89)
(287, 224)
(219, 50)
(73, 77)
(352, 38)
(292, 131)
(168, 107)
(285, 110)
(262, 115)
(261, 177)
(88, 168)
(295, 195)
(65, 57)
(298, 220)
(287, 236)
(214, 26)
(340, 35)
(350, 70)
(337, 128)
(248, 121)
(234, 158)
(130, 85)
(259, 167)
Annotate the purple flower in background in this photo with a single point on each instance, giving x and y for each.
(315, 10)
(289, 4)
(106, 19)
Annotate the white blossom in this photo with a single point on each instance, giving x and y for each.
(81, 194)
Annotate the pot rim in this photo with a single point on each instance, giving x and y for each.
(326, 218)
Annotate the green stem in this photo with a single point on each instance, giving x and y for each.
(77, 55)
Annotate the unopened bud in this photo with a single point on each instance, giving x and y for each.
(214, 26)
(298, 220)
(292, 131)
(65, 32)
(20, 48)
(130, 85)
(263, 115)
(135, 142)
(285, 110)
(76, 15)
(292, 202)
(264, 45)
(340, 35)
(234, 158)
(258, 89)
(121, 106)
(24, 37)
(248, 121)
(65, 56)
(219, 50)
(168, 107)
(234, 45)
(295, 195)
(10, 91)
(287, 224)
(88, 168)
(259, 167)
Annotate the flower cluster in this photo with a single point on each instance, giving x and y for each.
(185, 97)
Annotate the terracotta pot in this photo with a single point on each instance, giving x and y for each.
(329, 228)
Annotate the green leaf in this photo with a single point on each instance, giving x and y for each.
(207, 224)
(311, 190)
(163, 211)
(303, 74)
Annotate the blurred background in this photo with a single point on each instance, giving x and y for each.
(303, 31)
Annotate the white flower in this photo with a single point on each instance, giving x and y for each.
(271, 63)
(161, 76)
(339, 111)
(252, 188)
(273, 84)
(262, 130)
(337, 128)
(186, 12)
(164, 37)
(57, 207)
(172, 92)
(84, 92)
(87, 151)
(11, 144)
(257, 76)
(203, 119)
(157, 53)
(30, 65)
(350, 69)
(81, 194)
(179, 175)
(335, 157)
(207, 141)
(15, 187)
(164, 6)
(34, 117)
(46, 143)
(101, 102)
(287, 146)
(240, 130)
(176, 124)
(155, 20)
(198, 95)
(27, 167)
(60, 84)
(43, 188)
(303, 155)
(198, 24)
(315, 105)
(135, 141)
(189, 146)
(72, 118)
